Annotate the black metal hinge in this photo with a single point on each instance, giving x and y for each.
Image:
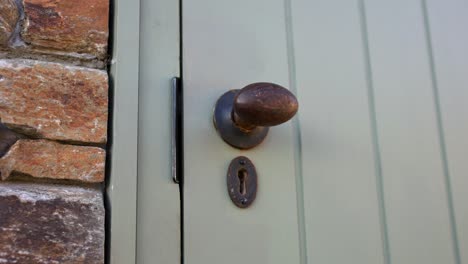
(177, 130)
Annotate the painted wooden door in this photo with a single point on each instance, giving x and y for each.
(374, 169)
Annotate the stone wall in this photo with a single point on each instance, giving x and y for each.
(53, 130)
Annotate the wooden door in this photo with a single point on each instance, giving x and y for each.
(374, 167)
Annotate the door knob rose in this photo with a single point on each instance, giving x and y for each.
(243, 117)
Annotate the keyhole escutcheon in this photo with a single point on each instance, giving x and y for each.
(242, 182)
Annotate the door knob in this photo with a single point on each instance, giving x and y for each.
(243, 117)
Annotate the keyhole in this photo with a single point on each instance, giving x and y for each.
(242, 175)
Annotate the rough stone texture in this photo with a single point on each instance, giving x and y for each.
(47, 159)
(79, 27)
(9, 16)
(7, 139)
(42, 223)
(52, 118)
(51, 100)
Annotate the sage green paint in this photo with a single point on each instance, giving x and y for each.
(122, 183)
(227, 45)
(341, 203)
(158, 222)
(418, 218)
(448, 42)
(374, 168)
(145, 58)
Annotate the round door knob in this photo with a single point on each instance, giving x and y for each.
(242, 117)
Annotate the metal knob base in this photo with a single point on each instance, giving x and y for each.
(229, 131)
(243, 117)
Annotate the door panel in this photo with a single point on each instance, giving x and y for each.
(412, 168)
(340, 196)
(372, 170)
(227, 45)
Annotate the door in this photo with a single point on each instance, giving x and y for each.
(373, 167)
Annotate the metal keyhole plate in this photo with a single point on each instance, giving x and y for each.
(242, 182)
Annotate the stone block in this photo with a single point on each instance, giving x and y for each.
(9, 15)
(42, 223)
(54, 101)
(52, 160)
(79, 28)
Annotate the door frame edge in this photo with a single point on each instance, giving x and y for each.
(121, 186)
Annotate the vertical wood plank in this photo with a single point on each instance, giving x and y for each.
(412, 168)
(339, 176)
(158, 223)
(227, 45)
(447, 22)
(122, 184)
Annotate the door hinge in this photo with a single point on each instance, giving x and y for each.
(177, 141)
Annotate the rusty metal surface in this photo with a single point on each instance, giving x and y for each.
(242, 117)
(229, 132)
(242, 182)
(263, 104)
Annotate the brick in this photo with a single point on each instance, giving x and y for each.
(54, 101)
(77, 27)
(41, 223)
(52, 160)
(9, 16)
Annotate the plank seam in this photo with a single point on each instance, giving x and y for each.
(441, 134)
(297, 135)
(375, 135)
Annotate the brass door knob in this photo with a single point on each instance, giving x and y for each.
(242, 117)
